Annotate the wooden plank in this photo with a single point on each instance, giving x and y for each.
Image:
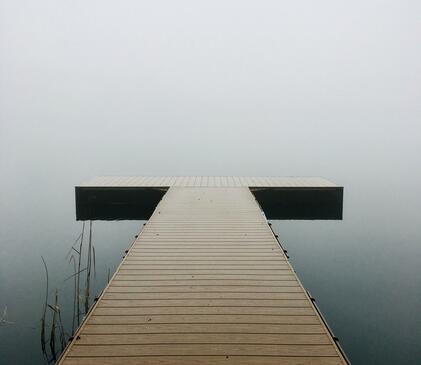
(203, 261)
(232, 338)
(206, 289)
(224, 225)
(273, 311)
(203, 350)
(204, 283)
(232, 319)
(220, 295)
(204, 360)
(198, 243)
(203, 303)
(212, 269)
(225, 252)
(227, 231)
(229, 247)
(203, 247)
(259, 236)
(209, 240)
(200, 328)
(174, 276)
(208, 259)
(175, 283)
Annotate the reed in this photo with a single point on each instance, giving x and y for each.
(62, 333)
(78, 275)
(53, 327)
(75, 293)
(94, 260)
(57, 325)
(44, 314)
(90, 261)
(57, 331)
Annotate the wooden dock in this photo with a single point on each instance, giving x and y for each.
(205, 282)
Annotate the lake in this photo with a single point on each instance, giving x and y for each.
(247, 88)
(364, 271)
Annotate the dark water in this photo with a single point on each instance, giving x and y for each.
(364, 271)
(37, 218)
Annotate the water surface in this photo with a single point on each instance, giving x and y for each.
(364, 271)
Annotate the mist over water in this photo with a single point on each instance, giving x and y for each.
(326, 89)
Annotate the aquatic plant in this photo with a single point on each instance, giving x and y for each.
(43, 338)
(3, 318)
(78, 274)
(90, 261)
(53, 329)
(55, 322)
(75, 293)
(77, 247)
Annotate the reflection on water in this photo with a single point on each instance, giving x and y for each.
(23, 284)
(363, 271)
(365, 274)
(84, 271)
(4, 319)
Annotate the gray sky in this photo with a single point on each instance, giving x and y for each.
(328, 88)
(298, 87)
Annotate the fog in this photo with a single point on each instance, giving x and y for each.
(326, 88)
(238, 88)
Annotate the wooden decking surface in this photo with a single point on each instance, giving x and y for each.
(209, 181)
(204, 283)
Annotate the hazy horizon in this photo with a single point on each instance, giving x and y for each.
(266, 88)
(210, 89)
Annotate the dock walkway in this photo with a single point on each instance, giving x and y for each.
(205, 283)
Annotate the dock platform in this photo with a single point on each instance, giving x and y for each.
(205, 283)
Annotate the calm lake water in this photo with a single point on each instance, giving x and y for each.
(364, 271)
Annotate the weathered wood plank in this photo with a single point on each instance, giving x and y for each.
(203, 350)
(220, 295)
(203, 318)
(209, 328)
(203, 303)
(204, 360)
(257, 290)
(232, 338)
(205, 283)
(140, 311)
(208, 258)
(208, 269)
(175, 276)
